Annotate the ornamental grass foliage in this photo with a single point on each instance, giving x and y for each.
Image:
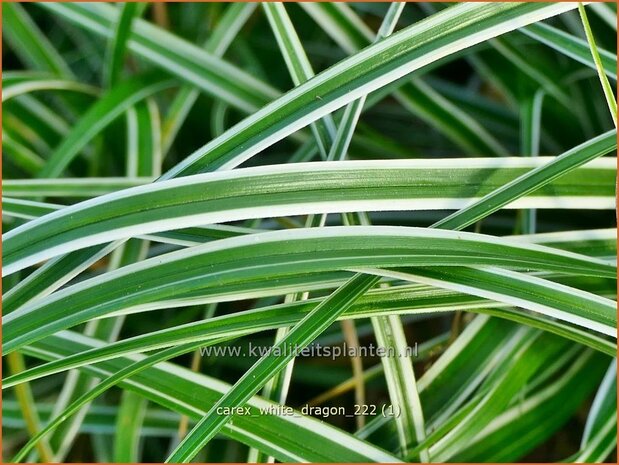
(309, 232)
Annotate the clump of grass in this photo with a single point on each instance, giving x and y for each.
(185, 183)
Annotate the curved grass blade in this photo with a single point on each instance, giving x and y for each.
(70, 187)
(571, 46)
(360, 74)
(52, 275)
(287, 254)
(348, 30)
(44, 122)
(310, 188)
(407, 299)
(103, 112)
(27, 209)
(95, 24)
(18, 83)
(499, 284)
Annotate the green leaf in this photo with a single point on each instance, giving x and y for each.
(69, 187)
(17, 83)
(128, 425)
(534, 351)
(406, 299)
(21, 155)
(554, 299)
(514, 332)
(27, 209)
(532, 419)
(600, 437)
(360, 74)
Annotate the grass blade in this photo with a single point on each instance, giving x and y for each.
(401, 383)
(128, 425)
(117, 46)
(572, 47)
(606, 87)
(27, 40)
(102, 113)
(286, 254)
(305, 188)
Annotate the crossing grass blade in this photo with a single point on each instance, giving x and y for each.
(302, 334)
(531, 181)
